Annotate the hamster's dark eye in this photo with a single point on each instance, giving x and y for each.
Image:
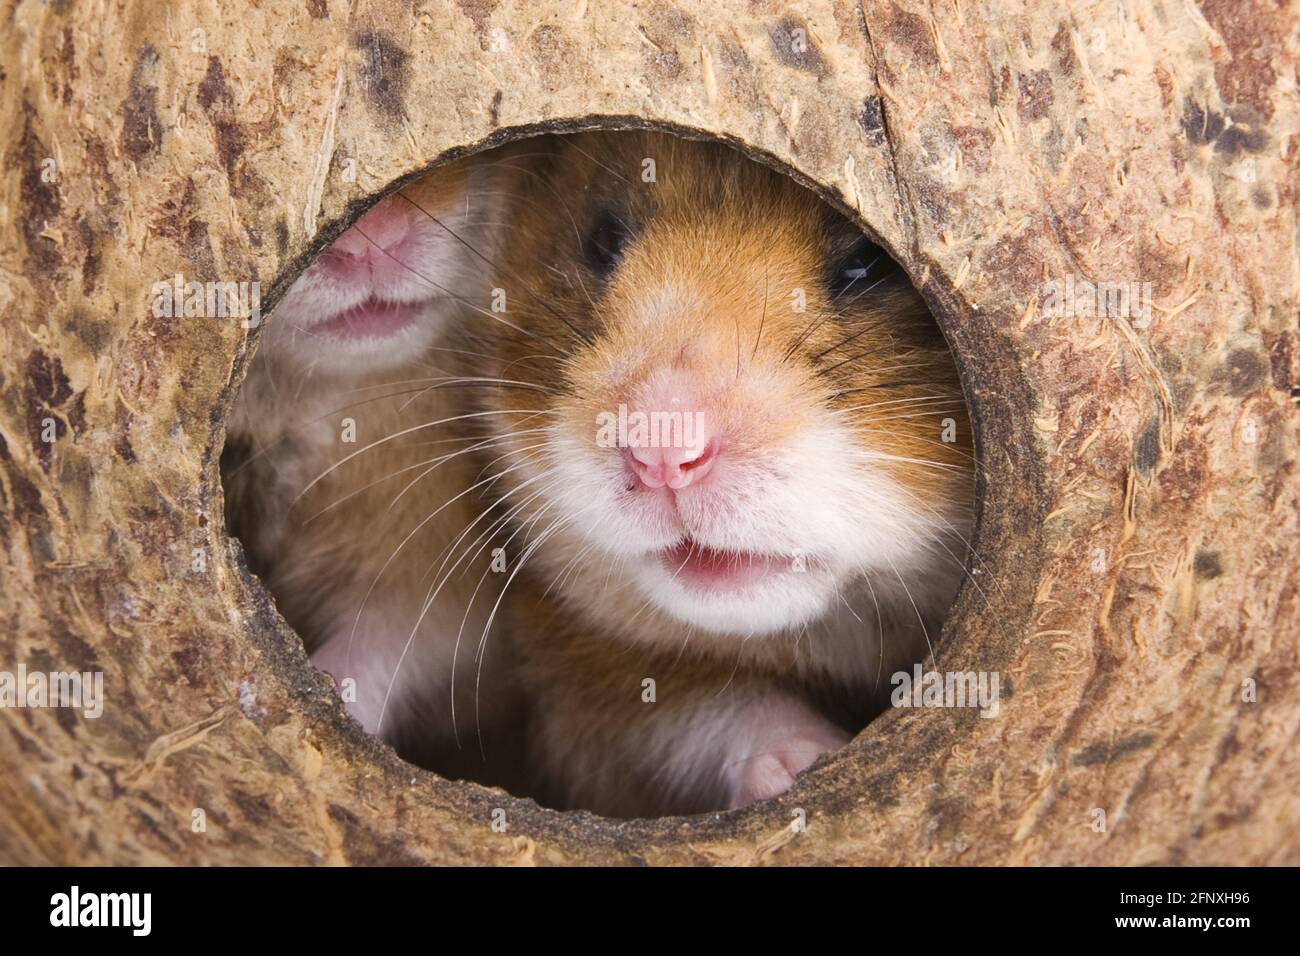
(855, 271)
(605, 242)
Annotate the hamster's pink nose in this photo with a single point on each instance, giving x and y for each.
(378, 232)
(674, 468)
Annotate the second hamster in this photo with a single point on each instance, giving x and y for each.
(344, 481)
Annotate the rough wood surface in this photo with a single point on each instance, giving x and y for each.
(1138, 554)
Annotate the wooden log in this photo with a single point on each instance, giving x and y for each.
(1136, 578)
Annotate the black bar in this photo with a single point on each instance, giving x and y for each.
(435, 907)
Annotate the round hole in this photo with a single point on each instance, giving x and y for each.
(614, 468)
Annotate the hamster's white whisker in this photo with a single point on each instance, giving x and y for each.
(326, 416)
(392, 557)
(435, 462)
(440, 462)
(486, 535)
(406, 431)
(432, 594)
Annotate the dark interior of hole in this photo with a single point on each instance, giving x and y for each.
(419, 468)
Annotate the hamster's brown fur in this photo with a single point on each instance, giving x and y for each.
(712, 255)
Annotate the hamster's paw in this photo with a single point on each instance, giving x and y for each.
(780, 753)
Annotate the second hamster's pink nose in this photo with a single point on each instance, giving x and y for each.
(376, 233)
(674, 468)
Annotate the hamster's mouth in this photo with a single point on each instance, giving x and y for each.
(374, 318)
(700, 567)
